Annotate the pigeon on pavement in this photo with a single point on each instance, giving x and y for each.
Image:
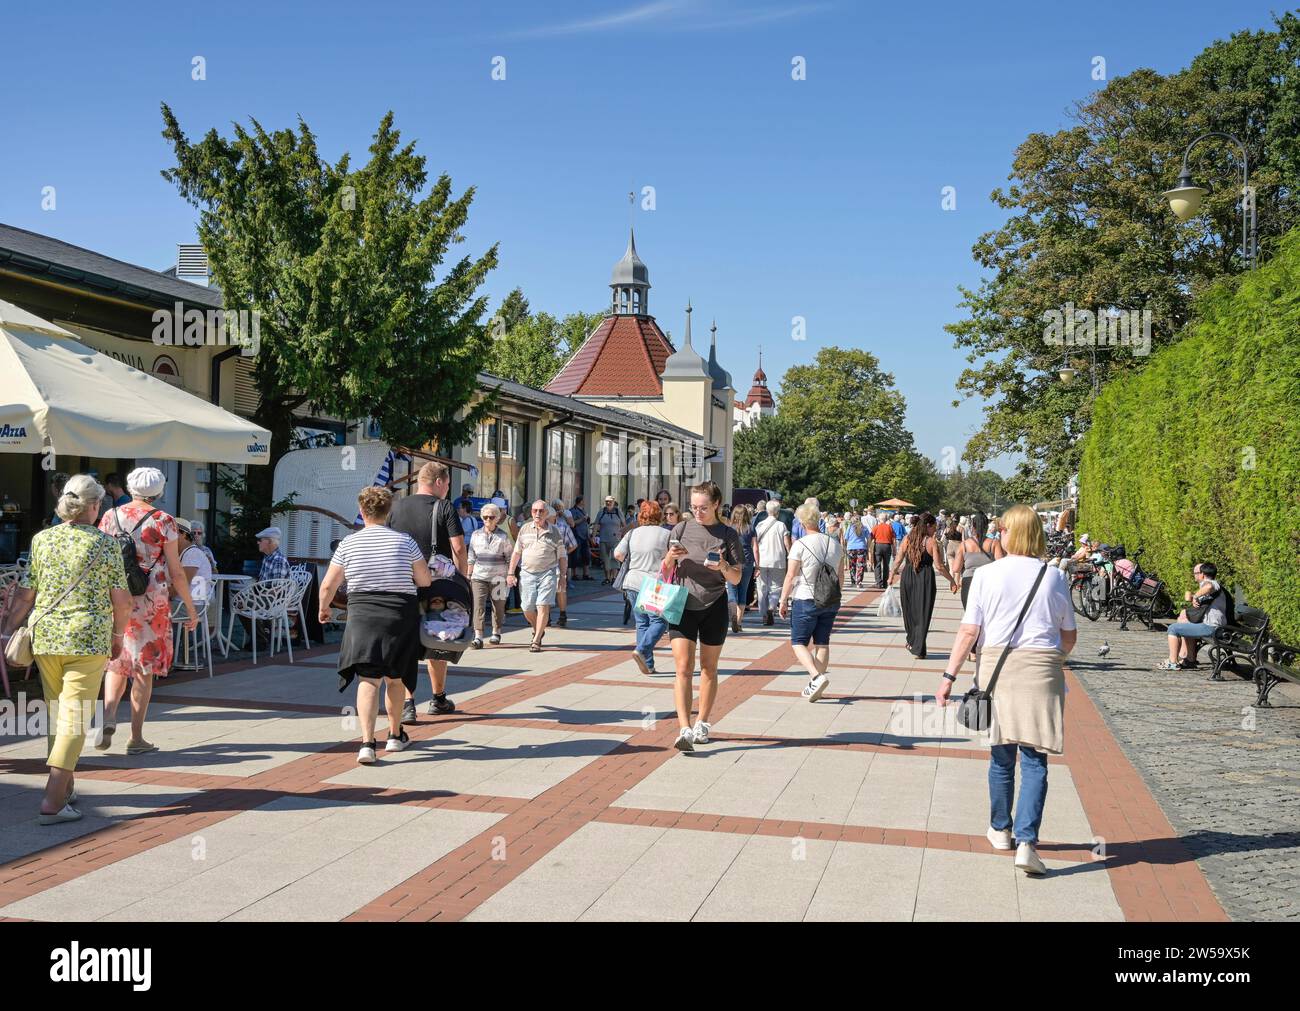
(1103, 649)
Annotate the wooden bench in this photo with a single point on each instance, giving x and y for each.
(1238, 645)
(1277, 663)
(1140, 603)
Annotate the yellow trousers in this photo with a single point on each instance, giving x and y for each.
(71, 685)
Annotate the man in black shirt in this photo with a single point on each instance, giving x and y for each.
(431, 520)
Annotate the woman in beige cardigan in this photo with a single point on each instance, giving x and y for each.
(1029, 697)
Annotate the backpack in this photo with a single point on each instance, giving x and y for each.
(826, 586)
(137, 579)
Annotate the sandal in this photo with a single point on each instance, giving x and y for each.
(535, 647)
(66, 813)
(140, 748)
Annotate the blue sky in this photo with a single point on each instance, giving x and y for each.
(774, 198)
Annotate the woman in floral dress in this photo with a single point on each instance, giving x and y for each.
(147, 649)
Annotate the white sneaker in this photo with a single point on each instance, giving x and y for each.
(366, 756)
(397, 743)
(1027, 860)
(1000, 838)
(815, 688)
(685, 739)
(701, 732)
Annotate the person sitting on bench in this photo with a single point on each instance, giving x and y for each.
(1209, 608)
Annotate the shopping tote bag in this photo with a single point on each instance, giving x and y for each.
(662, 597)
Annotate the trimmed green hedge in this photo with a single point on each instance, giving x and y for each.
(1197, 456)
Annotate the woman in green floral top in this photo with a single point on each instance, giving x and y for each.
(78, 585)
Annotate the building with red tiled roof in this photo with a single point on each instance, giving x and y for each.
(628, 362)
(759, 403)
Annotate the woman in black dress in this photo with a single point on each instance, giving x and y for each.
(918, 557)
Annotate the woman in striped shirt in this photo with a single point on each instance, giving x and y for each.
(381, 640)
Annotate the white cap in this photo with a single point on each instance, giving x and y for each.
(147, 482)
(272, 532)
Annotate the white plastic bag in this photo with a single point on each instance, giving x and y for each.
(889, 606)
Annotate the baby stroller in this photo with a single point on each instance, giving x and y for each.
(453, 589)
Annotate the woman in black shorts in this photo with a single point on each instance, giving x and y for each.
(708, 555)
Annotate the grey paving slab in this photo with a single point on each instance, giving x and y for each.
(671, 880)
(566, 882)
(967, 887)
(867, 882)
(771, 879)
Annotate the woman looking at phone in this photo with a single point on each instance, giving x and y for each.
(707, 555)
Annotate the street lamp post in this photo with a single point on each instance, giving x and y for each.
(1185, 199)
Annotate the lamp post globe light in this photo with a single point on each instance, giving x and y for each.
(1186, 198)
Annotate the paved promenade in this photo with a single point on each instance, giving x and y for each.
(555, 794)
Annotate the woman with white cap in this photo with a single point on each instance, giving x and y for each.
(147, 646)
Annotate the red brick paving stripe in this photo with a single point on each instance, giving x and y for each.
(1154, 876)
(831, 832)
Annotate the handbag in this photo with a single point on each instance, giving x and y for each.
(18, 650)
(662, 598)
(976, 709)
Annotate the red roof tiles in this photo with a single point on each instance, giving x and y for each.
(622, 357)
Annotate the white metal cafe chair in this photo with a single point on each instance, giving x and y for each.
(200, 637)
(301, 574)
(269, 601)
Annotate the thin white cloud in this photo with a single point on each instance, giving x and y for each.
(680, 15)
(622, 19)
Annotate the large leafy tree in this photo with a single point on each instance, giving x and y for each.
(847, 418)
(345, 266)
(770, 454)
(1088, 226)
(530, 348)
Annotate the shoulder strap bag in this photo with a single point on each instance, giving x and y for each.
(976, 709)
(434, 522)
(18, 650)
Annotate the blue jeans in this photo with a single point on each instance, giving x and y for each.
(739, 594)
(1191, 629)
(650, 628)
(1033, 790)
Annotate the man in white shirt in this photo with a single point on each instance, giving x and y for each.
(771, 552)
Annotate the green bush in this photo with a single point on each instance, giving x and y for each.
(1197, 456)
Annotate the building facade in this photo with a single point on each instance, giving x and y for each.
(628, 364)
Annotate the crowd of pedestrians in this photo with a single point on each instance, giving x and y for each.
(421, 566)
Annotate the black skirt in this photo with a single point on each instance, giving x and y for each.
(381, 638)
